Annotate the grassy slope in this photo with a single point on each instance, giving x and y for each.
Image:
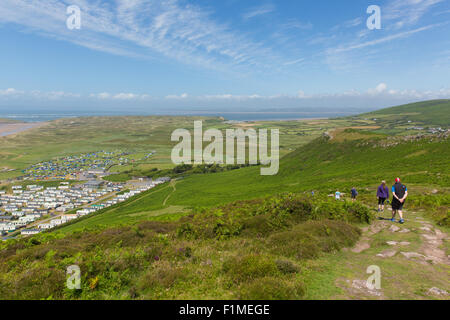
(322, 165)
(434, 112)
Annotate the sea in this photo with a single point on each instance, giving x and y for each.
(233, 116)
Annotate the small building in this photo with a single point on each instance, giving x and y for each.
(28, 232)
(93, 184)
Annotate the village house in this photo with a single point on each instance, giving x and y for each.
(28, 232)
(44, 226)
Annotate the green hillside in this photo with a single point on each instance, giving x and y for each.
(286, 246)
(434, 112)
(354, 158)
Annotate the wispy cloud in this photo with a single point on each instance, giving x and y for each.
(10, 92)
(142, 28)
(383, 40)
(404, 13)
(297, 61)
(258, 11)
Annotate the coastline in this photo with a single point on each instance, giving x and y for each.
(7, 129)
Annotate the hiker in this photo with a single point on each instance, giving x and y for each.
(337, 195)
(400, 192)
(382, 195)
(354, 194)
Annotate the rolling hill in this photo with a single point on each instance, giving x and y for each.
(433, 112)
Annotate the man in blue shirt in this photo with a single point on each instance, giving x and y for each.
(400, 192)
(354, 193)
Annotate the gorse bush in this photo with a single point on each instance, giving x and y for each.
(261, 218)
(436, 204)
(308, 240)
(250, 267)
(286, 266)
(429, 200)
(272, 288)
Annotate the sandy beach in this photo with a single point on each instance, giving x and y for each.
(7, 129)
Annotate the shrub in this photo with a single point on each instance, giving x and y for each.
(270, 288)
(358, 212)
(162, 274)
(39, 283)
(308, 240)
(286, 266)
(249, 267)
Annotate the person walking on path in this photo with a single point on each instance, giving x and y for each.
(337, 195)
(382, 195)
(354, 193)
(400, 192)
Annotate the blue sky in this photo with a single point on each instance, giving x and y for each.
(222, 55)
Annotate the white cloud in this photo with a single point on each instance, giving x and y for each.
(140, 28)
(384, 39)
(330, 104)
(404, 13)
(182, 96)
(378, 89)
(258, 11)
(10, 92)
(103, 95)
(125, 96)
(119, 96)
(51, 95)
(301, 94)
(297, 61)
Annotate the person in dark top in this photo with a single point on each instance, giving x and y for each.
(382, 195)
(354, 194)
(400, 192)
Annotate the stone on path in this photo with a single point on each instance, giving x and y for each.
(441, 235)
(387, 254)
(394, 228)
(410, 255)
(360, 247)
(430, 237)
(404, 231)
(394, 243)
(437, 292)
(361, 285)
(377, 227)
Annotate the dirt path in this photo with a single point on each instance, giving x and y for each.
(173, 185)
(413, 260)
